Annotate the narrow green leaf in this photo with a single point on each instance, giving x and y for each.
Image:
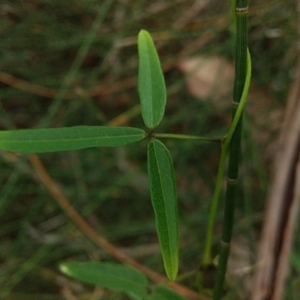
(162, 292)
(116, 277)
(67, 138)
(151, 82)
(164, 201)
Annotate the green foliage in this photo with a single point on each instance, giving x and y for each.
(112, 276)
(117, 277)
(160, 166)
(164, 201)
(68, 138)
(152, 92)
(64, 65)
(151, 83)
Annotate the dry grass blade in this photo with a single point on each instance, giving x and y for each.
(283, 206)
(280, 216)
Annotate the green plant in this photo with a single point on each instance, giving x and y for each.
(160, 167)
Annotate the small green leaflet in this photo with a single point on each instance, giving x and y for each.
(67, 138)
(116, 277)
(151, 82)
(164, 201)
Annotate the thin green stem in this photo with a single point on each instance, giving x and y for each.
(207, 256)
(242, 101)
(185, 137)
(234, 141)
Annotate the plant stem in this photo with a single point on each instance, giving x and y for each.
(186, 137)
(207, 257)
(207, 254)
(234, 146)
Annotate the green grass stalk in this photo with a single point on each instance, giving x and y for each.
(207, 257)
(235, 144)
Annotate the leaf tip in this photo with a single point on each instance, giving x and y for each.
(143, 32)
(172, 272)
(63, 268)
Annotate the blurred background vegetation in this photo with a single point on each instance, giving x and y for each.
(74, 62)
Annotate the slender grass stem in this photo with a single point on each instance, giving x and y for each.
(234, 145)
(207, 256)
(242, 101)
